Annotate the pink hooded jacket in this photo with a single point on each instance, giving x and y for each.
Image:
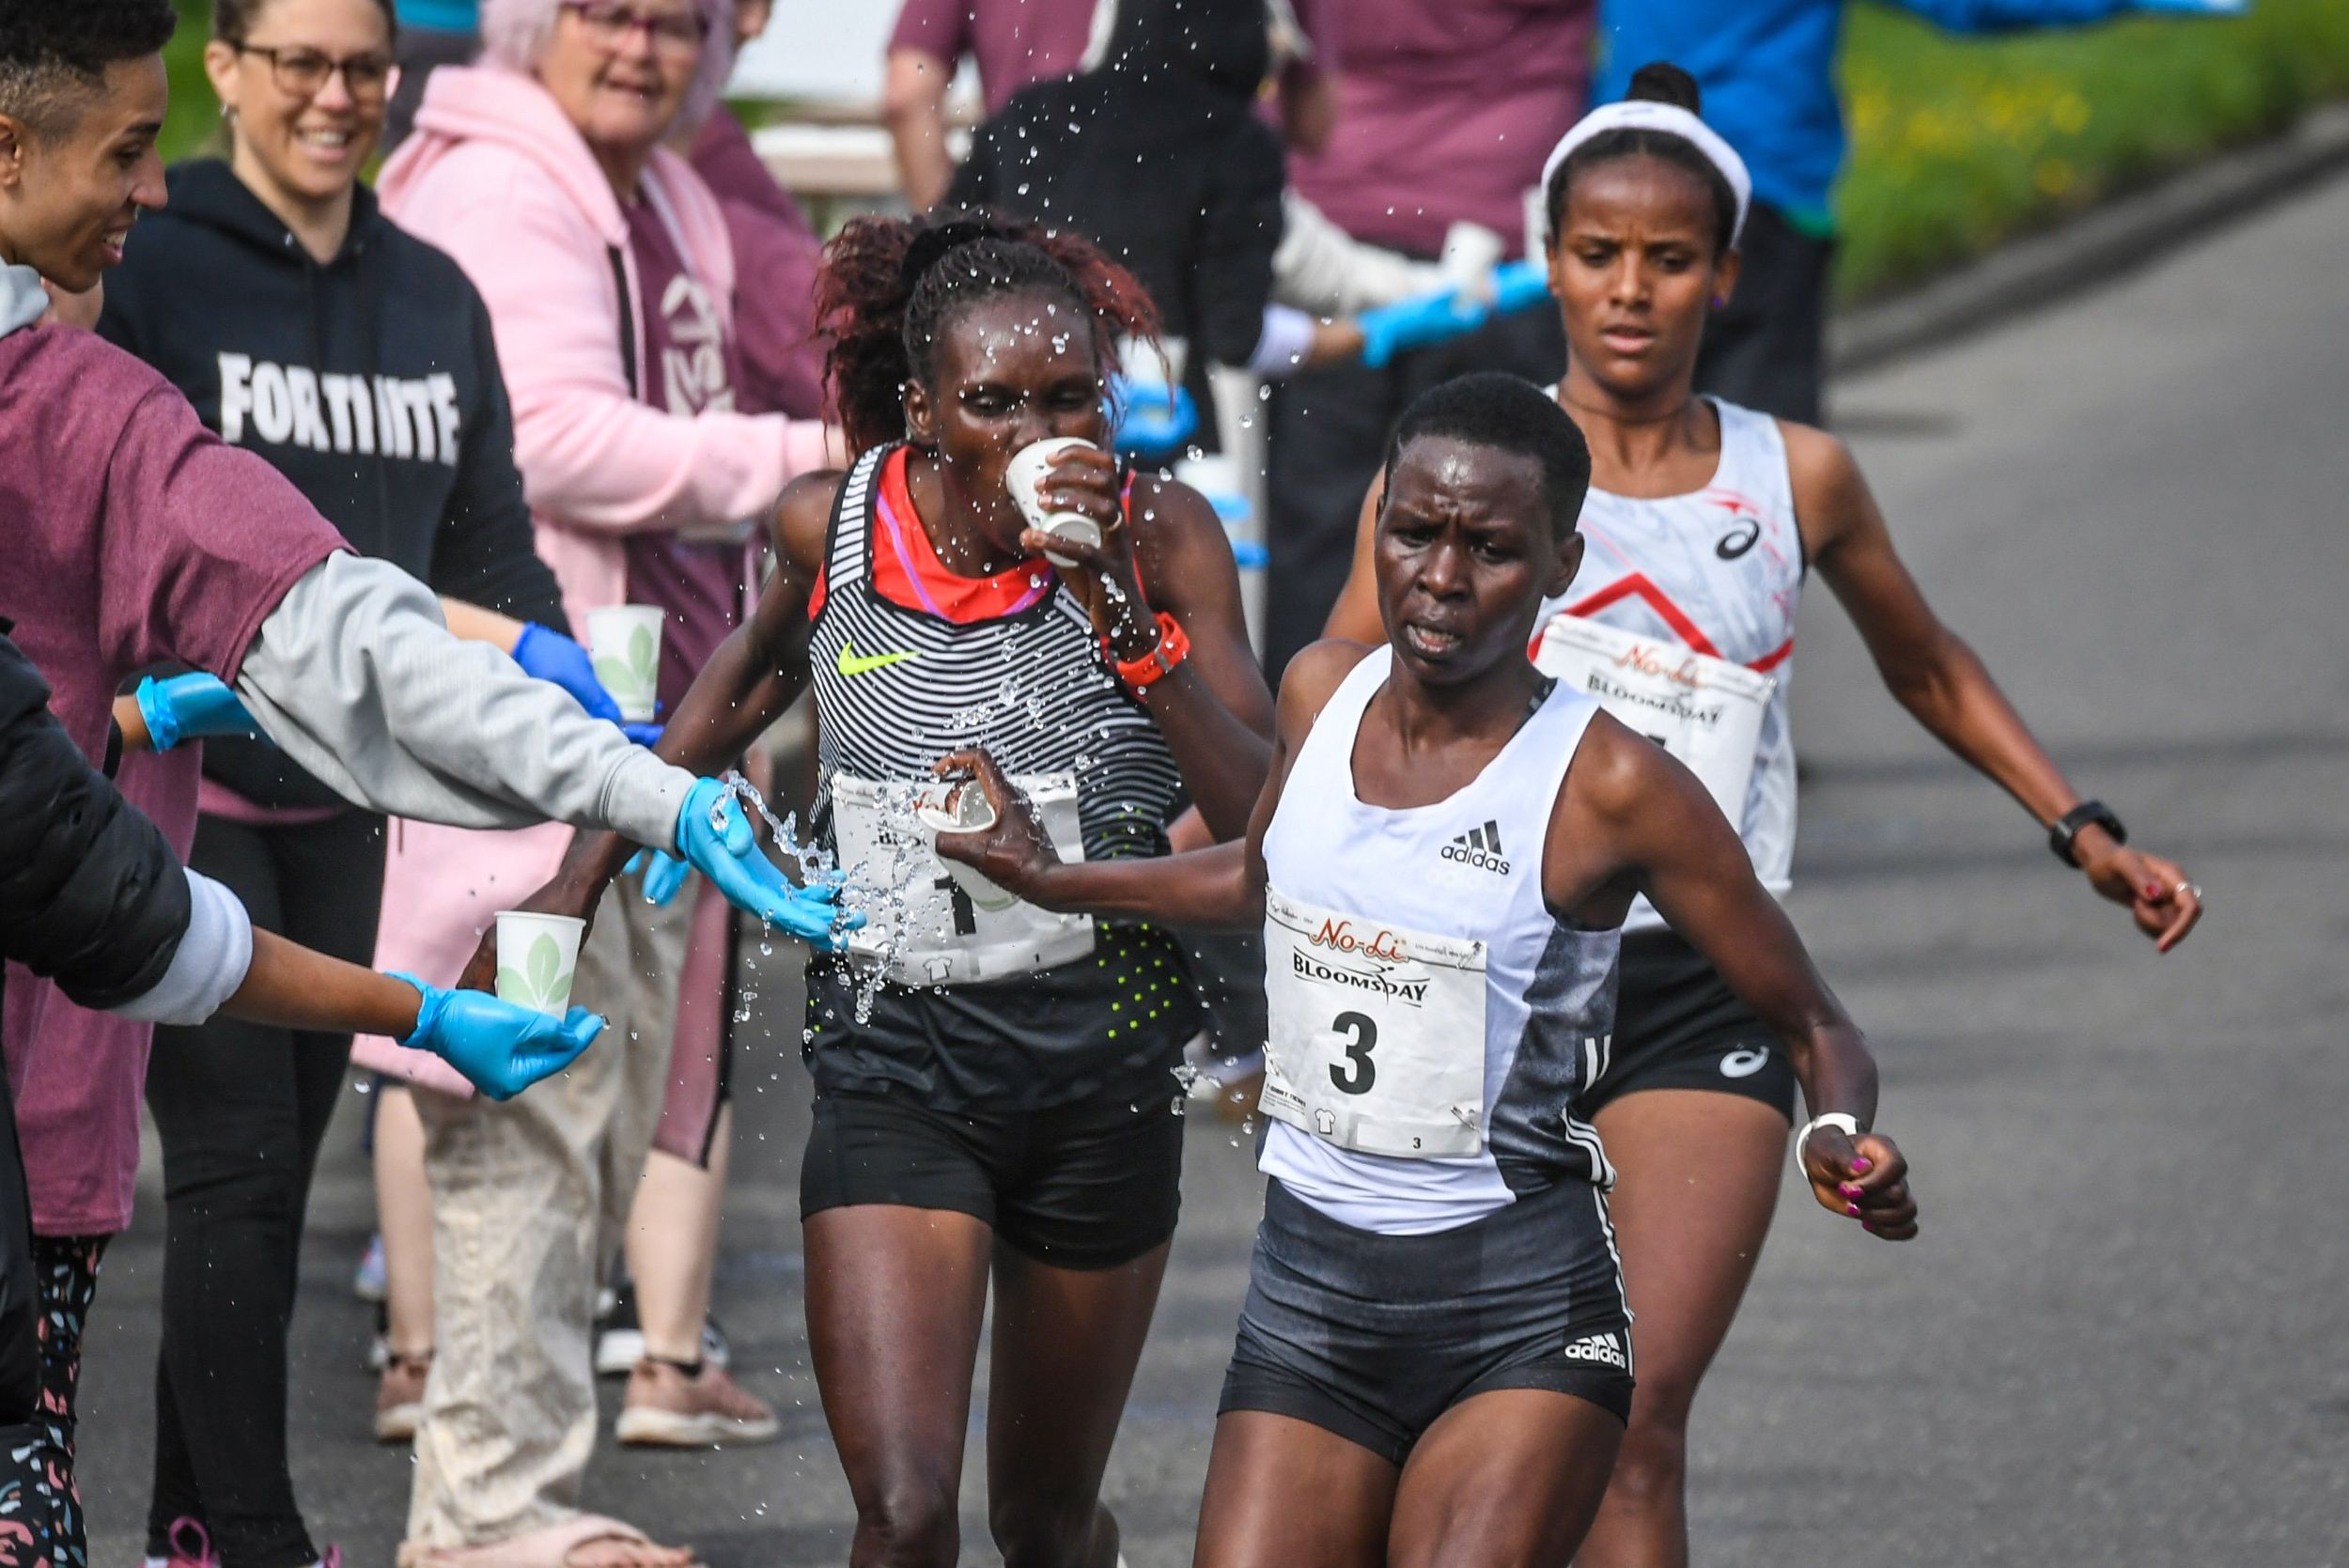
(497, 176)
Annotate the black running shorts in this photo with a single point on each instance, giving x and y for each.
(1091, 1184)
(1373, 1336)
(1679, 1026)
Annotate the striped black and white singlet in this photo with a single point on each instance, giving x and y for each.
(897, 688)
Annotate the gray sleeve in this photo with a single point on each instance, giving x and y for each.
(210, 965)
(356, 677)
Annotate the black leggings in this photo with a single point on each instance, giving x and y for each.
(242, 1111)
(46, 1283)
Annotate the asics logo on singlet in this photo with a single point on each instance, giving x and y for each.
(1603, 1349)
(1748, 529)
(1479, 848)
(851, 663)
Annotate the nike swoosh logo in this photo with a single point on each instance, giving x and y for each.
(854, 664)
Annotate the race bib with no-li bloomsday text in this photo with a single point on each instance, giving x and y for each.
(1376, 1040)
(1706, 711)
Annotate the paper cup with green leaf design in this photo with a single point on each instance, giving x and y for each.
(625, 641)
(538, 954)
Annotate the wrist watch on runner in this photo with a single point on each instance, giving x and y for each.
(2066, 828)
(1171, 648)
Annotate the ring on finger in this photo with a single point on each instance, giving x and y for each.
(2188, 889)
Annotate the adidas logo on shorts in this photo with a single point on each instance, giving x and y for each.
(1479, 848)
(1604, 1348)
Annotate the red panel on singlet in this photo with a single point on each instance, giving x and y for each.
(908, 573)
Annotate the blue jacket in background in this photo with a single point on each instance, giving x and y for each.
(1767, 70)
(439, 16)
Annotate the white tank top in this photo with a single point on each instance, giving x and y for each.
(1719, 572)
(1464, 873)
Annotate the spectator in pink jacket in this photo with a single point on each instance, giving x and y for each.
(610, 280)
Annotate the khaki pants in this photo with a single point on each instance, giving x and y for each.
(525, 1197)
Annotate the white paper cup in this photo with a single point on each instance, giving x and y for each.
(624, 640)
(537, 956)
(1025, 474)
(963, 808)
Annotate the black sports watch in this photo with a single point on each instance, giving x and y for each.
(2066, 828)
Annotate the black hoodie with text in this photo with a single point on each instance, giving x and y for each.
(371, 381)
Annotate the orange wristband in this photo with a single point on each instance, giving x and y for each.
(1174, 647)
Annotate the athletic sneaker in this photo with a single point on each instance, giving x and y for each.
(399, 1398)
(667, 1407)
(620, 1340)
(370, 1283)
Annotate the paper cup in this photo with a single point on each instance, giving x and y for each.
(624, 640)
(1025, 474)
(537, 956)
(963, 808)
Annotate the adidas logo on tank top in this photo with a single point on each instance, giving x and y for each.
(1479, 848)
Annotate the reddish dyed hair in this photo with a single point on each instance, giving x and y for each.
(890, 287)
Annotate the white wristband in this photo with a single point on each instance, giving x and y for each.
(1843, 1119)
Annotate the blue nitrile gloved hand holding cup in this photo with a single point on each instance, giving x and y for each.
(190, 707)
(547, 655)
(500, 1047)
(714, 836)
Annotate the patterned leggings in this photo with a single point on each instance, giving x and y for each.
(40, 1508)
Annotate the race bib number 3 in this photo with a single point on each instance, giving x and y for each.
(925, 925)
(1706, 711)
(1376, 1040)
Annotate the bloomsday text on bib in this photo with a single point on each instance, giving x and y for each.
(1706, 711)
(1376, 1040)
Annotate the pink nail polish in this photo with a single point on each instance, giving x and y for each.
(1852, 1209)
(2152, 890)
(1861, 1166)
(1849, 1190)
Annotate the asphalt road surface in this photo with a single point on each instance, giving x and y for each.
(2119, 1339)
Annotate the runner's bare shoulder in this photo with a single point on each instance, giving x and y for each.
(802, 517)
(1311, 679)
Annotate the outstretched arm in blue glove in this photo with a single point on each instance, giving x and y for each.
(547, 655)
(500, 1047)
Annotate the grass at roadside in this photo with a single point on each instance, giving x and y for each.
(1958, 144)
(194, 114)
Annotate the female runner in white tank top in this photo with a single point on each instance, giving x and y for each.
(1703, 522)
(1434, 1362)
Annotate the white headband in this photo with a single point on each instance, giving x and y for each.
(1640, 113)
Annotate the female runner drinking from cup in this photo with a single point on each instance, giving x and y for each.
(994, 1089)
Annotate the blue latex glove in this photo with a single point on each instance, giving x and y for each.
(1520, 285)
(1415, 322)
(190, 708)
(1154, 420)
(664, 873)
(545, 654)
(712, 834)
(500, 1047)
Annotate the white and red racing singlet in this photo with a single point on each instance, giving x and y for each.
(1718, 571)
